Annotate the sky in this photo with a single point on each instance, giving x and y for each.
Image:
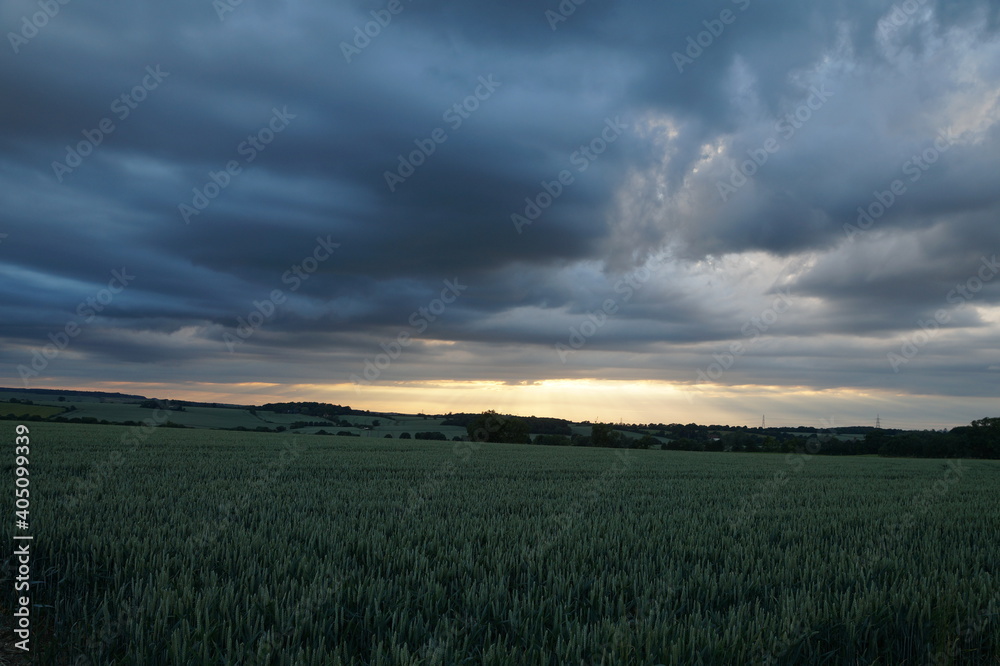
(643, 212)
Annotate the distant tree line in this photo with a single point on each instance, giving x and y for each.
(311, 424)
(493, 427)
(980, 439)
(436, 436)
(162, 404)
(25, 417)
(320, 409)
(90, 420)
(536, 424)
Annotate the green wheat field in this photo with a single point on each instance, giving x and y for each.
(172, 546)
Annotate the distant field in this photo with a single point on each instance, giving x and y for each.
(586, 429)
(228, 418)
(637, 435)
(275, 418)
(17, 409)
(42, 398)
(195, 417)
(214, 417)
(362, 419)
(110, 411)
(186, 546)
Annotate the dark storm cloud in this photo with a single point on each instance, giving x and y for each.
(190, 94)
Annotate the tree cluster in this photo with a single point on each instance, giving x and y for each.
(979, 439)
(492, 427)
(536, 424)
(437, 436)
(308, 408)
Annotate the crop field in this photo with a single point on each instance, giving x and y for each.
(399, 425)
(192, 416)
(166, 546)
(17, 409)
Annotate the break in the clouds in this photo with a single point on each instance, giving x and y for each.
(339, 200)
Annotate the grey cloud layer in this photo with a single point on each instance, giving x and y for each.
(892, 86)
